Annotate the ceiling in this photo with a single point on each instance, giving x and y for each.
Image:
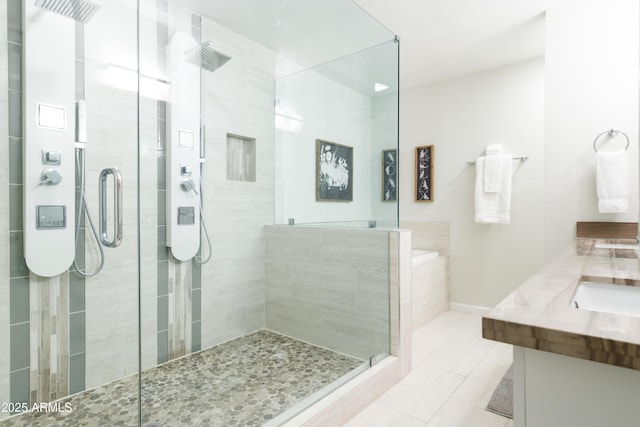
(439, 39)
(444, 39)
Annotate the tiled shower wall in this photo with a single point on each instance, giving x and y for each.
(330, 287)
(178, 286)
(236, 99)
(201, 306)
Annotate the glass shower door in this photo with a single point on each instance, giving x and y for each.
(69, 291)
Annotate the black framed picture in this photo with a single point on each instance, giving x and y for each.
(424, 173)
(389, 175)
(334, 172)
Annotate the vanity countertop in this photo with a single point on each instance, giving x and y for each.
(538, 314)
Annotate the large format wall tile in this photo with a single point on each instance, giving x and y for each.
(329, 287)
(236, 99)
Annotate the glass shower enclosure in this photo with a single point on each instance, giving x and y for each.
(199, 202)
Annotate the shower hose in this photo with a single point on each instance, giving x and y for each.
(198, 260)
(81, 208)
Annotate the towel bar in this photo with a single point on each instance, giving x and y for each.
(521, 158)
(612, 133)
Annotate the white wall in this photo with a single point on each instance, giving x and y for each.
(384, 137)
(591, 86)
(460, 117)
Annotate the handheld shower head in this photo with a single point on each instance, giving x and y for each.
(78, 10)
(205, 57)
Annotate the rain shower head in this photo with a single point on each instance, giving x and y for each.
(205, 57)
(79, 10)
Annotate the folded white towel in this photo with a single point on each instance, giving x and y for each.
(493, 149)
(493, 207)
(492, 171)
(612, 176)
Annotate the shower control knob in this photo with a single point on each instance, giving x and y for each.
(50, 177)
(187, 185)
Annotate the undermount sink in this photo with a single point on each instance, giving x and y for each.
(607, 297)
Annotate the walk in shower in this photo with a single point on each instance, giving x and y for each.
(200, 202)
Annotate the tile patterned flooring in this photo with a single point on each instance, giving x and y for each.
(455, 372)
(244, 382)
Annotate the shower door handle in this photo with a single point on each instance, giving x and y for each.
(117, 208)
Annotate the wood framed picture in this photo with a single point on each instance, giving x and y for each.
(424, 173)
(334, 172)
(389, 175)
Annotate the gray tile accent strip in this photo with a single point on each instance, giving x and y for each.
(15, 161)
(19, 346)
(15, 67)
(163, 346)
(14, 21)
(17, 264)
(76, 333)
(196, 272)
(163, 313)
(195, 305)
(19, 300)
(163, 278)
(163, 251)
(15, 201)
(19, 337)
(196, 336)
(15, 113)
(162, 203)
(76, 293)
(19, 389)
(76, 373)
(80, 253)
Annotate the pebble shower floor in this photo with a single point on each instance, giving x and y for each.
(244, 382)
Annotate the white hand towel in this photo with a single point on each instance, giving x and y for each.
(612, 176)
(495, 207)
(492, 168)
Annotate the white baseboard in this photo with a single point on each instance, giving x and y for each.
(470, 309)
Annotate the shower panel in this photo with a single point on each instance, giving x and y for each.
(183, 150)
(49, 187)
(186, 148)
(56, 127)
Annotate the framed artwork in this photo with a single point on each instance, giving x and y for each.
(334, 172)
(389, 175)
(424, 173)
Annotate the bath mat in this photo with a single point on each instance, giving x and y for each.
(501, 402)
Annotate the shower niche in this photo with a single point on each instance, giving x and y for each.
(241, 158)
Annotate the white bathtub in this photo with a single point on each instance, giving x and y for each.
(419, 256)
(609, 298)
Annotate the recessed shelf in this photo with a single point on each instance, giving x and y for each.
(241, 158)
